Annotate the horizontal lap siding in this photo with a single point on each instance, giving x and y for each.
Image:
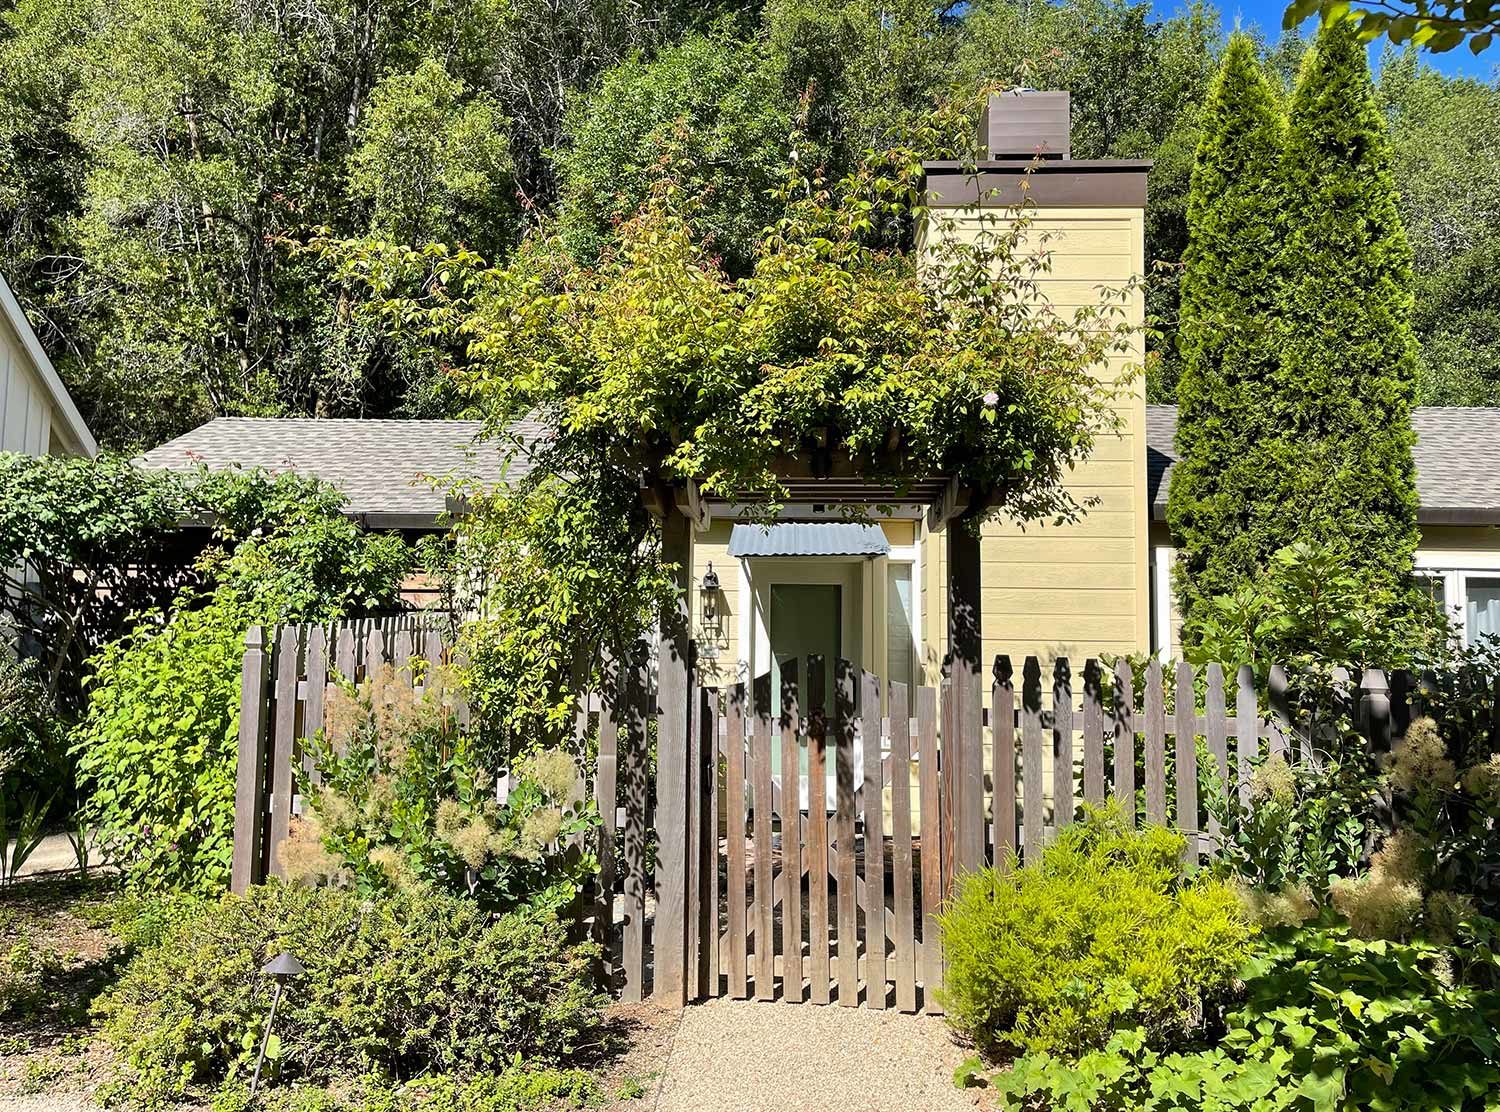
(1077, 589)
(25, 409)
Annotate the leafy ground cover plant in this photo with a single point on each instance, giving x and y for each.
(399, 986)
(1329, 1023)
(1103, 933)
(403, 803)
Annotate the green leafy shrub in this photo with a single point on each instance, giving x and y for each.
(400, 986)
(1103, 933)
(157, 749)
(1330, 1022)
(518, 1088)
(404, 803)
(1303, 826)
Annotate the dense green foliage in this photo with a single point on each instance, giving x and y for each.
(1104, 933)
(1328, 1022)
(1229, 295)
(405, 802)
(402, 986)
(156, 750)
(657, 364)
(1299, 427)
(1447, 161)
(1437, 25)
(1310, 608)
(81, 542)
(156, 160)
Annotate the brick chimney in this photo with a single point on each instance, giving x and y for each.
(1025, 124)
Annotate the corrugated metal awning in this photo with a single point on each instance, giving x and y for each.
(808, 538)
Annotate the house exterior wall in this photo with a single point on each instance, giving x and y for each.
(1448, 555)
(1081, 589)
(25, 408)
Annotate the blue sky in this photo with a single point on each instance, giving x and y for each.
(1267, 15)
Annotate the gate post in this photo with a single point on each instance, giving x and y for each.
(675, 716)
(250, 767)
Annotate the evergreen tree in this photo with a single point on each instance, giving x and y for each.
(1347, 382)
(1296, 407)
(1229, 291)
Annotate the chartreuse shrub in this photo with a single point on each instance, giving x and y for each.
(1104, 933)
(1329, 1023)
(402, 986)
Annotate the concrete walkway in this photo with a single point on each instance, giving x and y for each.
(742, 1056)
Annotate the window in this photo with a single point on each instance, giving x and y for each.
(900, 621)
(1481, 607)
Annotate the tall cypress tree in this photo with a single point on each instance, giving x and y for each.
(1229, 354)
(1347, 381)
(1298, 424)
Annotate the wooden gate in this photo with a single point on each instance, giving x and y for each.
(831, 887)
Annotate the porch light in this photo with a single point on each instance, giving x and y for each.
(710, 593)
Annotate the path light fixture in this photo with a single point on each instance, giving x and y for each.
(283, 967)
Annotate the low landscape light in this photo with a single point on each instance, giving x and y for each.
(283, 967)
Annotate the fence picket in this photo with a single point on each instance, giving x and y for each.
(1216, 734)
(634, 778)
(606, 783)
(734, 822)
(1186, 736)
(1124, 734)
(843, 817)
(1062, 743)
(1003, 738)
(1093, 734)
(1156, 745)
(760, 801)
(250, 765)
(870, 737)
(312, 703)
(817, 832)
(903, 895)
(1279, 726)
(930, 785)
(1247, 728)
(791, 837)
(288, 649)
(1033, 815)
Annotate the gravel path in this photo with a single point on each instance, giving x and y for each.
(61, 1103)
(740, 1056)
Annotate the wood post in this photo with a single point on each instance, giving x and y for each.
(250, 769)
(966, 747)
(674, 701)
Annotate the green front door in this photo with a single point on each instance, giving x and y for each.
(805, 618)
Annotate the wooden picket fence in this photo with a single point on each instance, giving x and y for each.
(825, 885)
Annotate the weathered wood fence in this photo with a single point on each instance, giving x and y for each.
(820, 837)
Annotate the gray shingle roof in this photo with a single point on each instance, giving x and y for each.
(1457, 455)
(384, 467)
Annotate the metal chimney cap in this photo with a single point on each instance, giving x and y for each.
(283, 965)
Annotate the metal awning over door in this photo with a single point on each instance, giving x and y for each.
(808, 538)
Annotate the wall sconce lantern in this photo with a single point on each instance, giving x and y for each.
(710, 594)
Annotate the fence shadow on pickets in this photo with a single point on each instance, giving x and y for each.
(821, 836)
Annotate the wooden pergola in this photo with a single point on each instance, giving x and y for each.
(950, 507)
